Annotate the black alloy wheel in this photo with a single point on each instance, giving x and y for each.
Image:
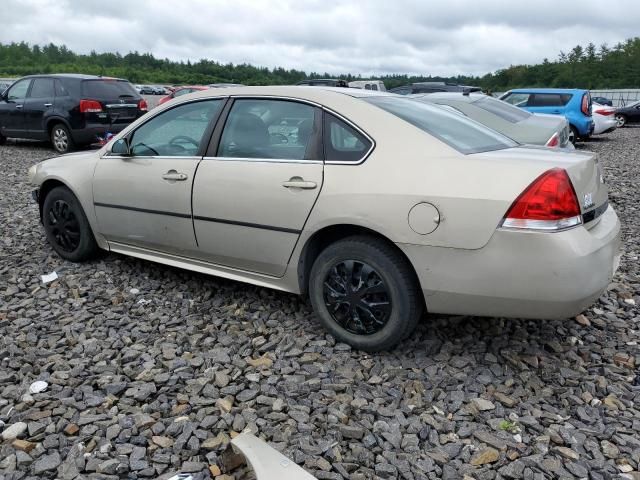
(66, 226)
(63, 225)
(365, 293)
(357, 298)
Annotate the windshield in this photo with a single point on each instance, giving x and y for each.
(108, 89)
(457, 131)
(504, 110)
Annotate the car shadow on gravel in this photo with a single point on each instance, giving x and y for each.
(436, 337)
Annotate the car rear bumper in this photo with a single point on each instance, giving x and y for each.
(521, 274)
(92, 132)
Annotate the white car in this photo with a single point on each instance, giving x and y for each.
(604, 118)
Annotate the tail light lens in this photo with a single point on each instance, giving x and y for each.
(90, 106)
(605, 112)
(554, 141)
(586, 100)
(549, 204)
(142, 105)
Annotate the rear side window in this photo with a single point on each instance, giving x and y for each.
(457, 131)
(343, 143)
(507, 112)
(548, 100)
(263, 129)
(60, 90)
(107, 89)
(42, 88)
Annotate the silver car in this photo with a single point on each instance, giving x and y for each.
(516, 123)
(375, 205)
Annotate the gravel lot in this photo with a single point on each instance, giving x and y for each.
(150, 369)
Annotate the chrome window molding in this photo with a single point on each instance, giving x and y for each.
(263, 160)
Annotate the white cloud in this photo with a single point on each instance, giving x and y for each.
(372, 37)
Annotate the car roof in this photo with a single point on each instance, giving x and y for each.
(303, 92)
(73, 75)
(546, 90)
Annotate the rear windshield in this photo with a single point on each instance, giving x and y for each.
(504, 110)
(105, 89)
(459, 132)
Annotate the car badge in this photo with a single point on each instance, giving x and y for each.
(588, 200)
(121, 100)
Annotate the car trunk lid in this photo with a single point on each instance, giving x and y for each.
(119, 101)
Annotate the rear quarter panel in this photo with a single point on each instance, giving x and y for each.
(408, 166)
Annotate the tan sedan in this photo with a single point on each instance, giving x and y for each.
(376, 206)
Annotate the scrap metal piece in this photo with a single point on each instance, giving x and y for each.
(266, 461)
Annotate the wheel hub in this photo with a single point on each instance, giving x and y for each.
(63, 225)
(357, 297)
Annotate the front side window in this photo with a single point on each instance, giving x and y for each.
(457, 131)
(517, 99)
(42, 88)
(19, 90)
(177, 132)
(342, 143)
(507, 112)
(280, 129)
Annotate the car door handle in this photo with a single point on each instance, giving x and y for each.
(48, 104)
(298, 182)
(174, 176)
(18, 107)
(556, 111)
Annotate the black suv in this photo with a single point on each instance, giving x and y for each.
(68, 109)
(432, 87)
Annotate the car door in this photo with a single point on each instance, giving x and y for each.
(37, 105)
(253, 194)
(11, 109)
(143, 198)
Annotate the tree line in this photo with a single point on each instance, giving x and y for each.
(583, 67)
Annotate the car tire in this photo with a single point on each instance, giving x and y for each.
(66, 226)
(345, 308)
(61, 138)
(621, 120)
(3, 139)
(573, 134)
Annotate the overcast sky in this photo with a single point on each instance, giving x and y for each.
(428, 37)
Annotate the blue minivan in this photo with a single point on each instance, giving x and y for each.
(574, 104)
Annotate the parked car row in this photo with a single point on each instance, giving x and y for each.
(152, 89)
(377, 206)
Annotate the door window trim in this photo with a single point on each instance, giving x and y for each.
(212, 150)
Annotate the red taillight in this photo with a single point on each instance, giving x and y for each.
(142, 105)
(90, 106)
(549, 203)
(585, 104)
(554, 141)
(606, 112)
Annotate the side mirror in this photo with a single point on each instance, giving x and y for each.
(121, 147)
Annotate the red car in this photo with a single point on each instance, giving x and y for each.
(182, 91)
